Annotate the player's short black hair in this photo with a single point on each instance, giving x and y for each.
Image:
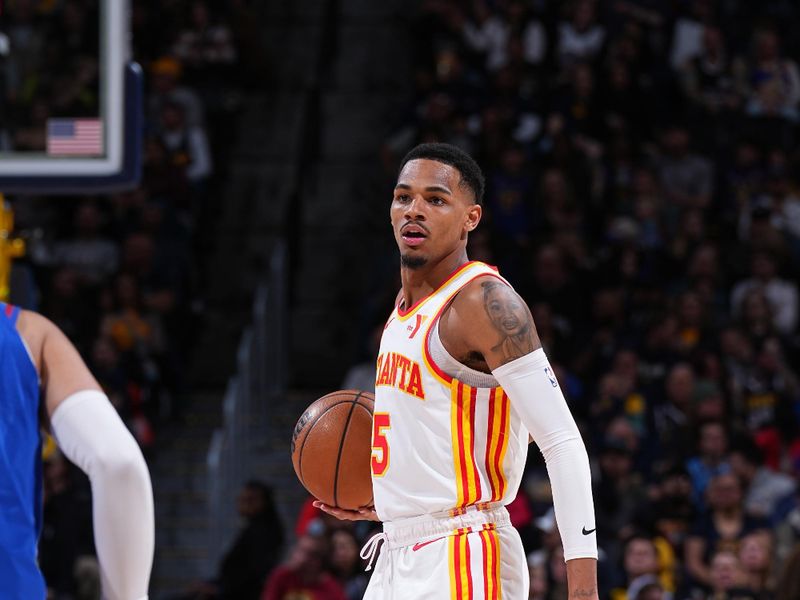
(471, 174)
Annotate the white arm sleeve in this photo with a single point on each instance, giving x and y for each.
(535, 395)
(91, 434)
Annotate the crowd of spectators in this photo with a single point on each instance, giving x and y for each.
(120, 274)
(643, 196)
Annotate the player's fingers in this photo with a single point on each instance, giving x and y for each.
(368, 512)
(344, 515)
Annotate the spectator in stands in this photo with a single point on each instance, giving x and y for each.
(204, 47)
(166, 73)
(579, 105)
(707, 78)
(254, 552)
(346, 563)
(687, 38)
(756, 559)
(123, 390)
(651, 591)
(673, 419)
(765, 490)
(769, 81)
(67, 533)
(490, 34)
(130, 326)
(617, 493)
(711, 460)
(687, 178)
(581, 37)
(305, 574)
(70, 307)
(694, 330)
(164, 177)
(554, 284)
(778, 202)
(186, 145)
(723, 527)
(640, 566)
(537, 573)
(781, 294)
(161, 281)
(93, 256)
(726, 576)
(669, 513)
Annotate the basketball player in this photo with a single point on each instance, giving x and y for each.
(38, 361)
(462, 380)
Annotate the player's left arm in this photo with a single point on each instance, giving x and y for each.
(488, 318)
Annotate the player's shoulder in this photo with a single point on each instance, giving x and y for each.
(32, 322)
(476, 293)
(35, 329)
(468, 312)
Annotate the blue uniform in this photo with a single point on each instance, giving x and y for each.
(20, 466)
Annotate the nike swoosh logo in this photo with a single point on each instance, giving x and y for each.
(585, 532)
(419, 545)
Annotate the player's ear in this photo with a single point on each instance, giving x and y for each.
(474, 214)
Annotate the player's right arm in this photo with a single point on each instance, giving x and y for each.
(490, 326)
(91, 434)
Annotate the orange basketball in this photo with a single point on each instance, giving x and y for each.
(331, 448)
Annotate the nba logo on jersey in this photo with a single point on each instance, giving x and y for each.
(553, 381)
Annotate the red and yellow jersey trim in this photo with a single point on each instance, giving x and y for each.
(497, 442)
(462, 415)
(433, 368)
(462, 585)
(490, 544)
(460, 565)
(404, 314)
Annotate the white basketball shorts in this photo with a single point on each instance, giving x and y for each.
(476, 555)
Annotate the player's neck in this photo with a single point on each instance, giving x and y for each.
(421, 282)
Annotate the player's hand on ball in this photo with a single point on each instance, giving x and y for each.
(365, 513)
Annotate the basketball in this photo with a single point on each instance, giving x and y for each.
(331, 448)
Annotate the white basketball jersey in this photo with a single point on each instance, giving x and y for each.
(438, 444)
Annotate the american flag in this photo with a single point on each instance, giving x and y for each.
(75, 136)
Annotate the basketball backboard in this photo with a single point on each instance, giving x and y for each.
(70, 97)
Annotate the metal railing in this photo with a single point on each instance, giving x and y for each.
(259, 380)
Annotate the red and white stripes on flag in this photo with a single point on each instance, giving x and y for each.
(74, 137)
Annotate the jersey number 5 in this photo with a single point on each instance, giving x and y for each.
(380, 445)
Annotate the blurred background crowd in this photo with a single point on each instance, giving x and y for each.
(643, 196)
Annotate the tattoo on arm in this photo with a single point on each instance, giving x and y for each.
(512, 320)
(584, 593)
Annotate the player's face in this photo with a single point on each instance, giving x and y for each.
(432, 212)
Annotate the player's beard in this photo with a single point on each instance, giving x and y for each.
(412, 262)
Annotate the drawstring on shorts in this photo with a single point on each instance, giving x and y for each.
(370, 549)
